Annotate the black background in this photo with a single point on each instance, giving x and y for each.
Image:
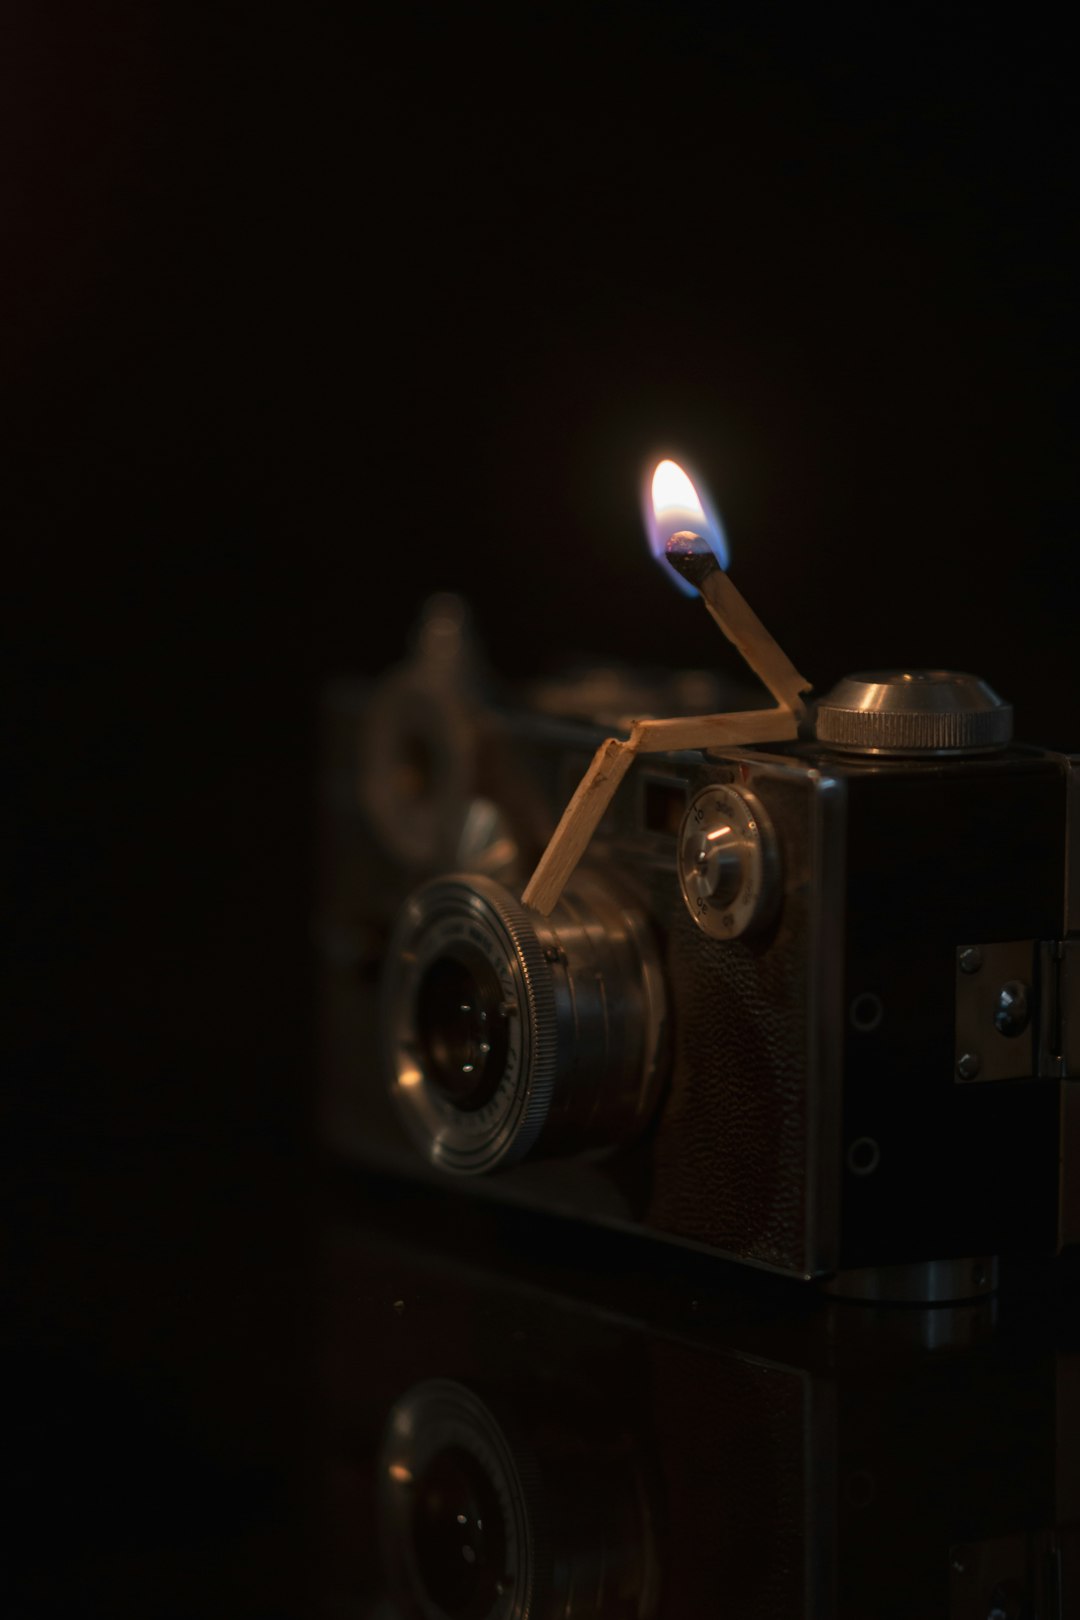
(310, 310)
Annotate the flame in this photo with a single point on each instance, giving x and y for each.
(672, 491)
(671, 502)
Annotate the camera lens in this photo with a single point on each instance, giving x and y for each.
(458, 1534)
(463, 1027)
(515, 1508)
(458, 1508)
(509, 1033)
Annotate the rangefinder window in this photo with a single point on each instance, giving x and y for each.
(663, 805)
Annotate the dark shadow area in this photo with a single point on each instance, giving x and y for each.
(310, 312)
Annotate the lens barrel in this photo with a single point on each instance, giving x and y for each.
(502, 1509)
(458, 1505)
(508, 1033)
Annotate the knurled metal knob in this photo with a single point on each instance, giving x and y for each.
(728, 862)
(922, 711)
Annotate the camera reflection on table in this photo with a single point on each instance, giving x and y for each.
(515, 1425)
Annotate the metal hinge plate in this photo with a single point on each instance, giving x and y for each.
(1018, 1011)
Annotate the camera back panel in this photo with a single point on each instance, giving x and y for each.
(941, 856)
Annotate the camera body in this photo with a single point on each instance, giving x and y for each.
(851, 1044)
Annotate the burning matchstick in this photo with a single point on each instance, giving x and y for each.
(694, 559)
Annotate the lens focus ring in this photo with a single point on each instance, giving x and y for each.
(452, 1482)
(508, 1032)
(455, 920)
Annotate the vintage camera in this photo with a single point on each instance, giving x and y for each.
(812, 1004)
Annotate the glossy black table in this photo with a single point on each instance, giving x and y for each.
(246, 1383)
(522, 1419)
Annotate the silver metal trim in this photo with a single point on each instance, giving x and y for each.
(825, 1047)
(933, 711)
(922, 1282)
(1072, 846)
(826, 1009)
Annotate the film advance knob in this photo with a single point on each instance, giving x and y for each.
(728, 862)
(921, 711)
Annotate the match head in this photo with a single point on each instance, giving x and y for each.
(691, 556)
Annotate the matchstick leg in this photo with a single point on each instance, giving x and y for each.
(579, 821)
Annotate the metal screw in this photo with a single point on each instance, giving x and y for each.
(968, 1066)
(971, 959)
(1013, 1013)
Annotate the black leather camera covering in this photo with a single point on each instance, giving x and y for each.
(734, 1153)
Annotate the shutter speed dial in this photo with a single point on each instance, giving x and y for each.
(728, 862)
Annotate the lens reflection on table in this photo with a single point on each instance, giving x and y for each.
(499, 1517)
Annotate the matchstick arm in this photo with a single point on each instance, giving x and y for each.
(694, 559)
(610, 764)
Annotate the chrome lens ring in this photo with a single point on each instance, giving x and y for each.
(442, 1419)
(461, 920)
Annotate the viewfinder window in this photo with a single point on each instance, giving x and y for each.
(665, 804)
